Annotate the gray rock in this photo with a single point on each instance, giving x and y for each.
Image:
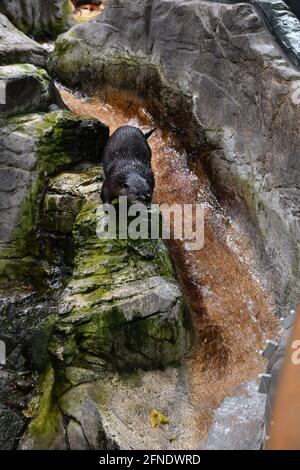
(76, 437)
(41, 19)
(17, 48)
(283, 24)
(113, 412)
(121, 308)
(32, 148)
(238, 421)
(219, 77)
(12, 425)
(27, 89)
(15, 393)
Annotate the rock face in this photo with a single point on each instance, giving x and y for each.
(74, 308)
(12, 400)
(32, 148)
(26, 88)
(238, 421)
(16, 47)
(42, 19)
(218, 75)
(294, 6)
(121, 310)
(35, 144)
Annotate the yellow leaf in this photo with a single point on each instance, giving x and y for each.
(157, 419)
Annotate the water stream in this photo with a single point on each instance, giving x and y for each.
(232, 313)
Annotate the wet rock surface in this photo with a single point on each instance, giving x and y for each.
(35, 144)
(34, 147)
(121, 310)
(219, 76)
(41, 19)
(238, 421)
(15, 394)
(284, 25)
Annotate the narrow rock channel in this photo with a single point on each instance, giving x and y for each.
(104, 335)
(232, 312)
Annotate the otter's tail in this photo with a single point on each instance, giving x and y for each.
(149, 133)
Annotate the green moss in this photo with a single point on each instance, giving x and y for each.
(47, 423)
(57, 140)
(96, 330)
(65, 21)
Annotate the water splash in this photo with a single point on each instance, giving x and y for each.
(232, 312)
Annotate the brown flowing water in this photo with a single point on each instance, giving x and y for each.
(232, 313)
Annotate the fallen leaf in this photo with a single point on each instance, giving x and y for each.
(157, 419)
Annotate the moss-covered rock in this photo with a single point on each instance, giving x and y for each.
(47, 429)
(122, 310)
(33, 147)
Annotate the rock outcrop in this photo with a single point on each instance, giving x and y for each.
(37, 139)
(121, 310)
(214, 71)
(32, 148)
(40, 19)
(26, 89)
(17, 48)
(74, 309)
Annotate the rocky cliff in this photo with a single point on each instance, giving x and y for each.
(39, 18)
(75, 310)
(214, 71)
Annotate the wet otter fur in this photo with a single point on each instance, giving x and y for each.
(127, 166)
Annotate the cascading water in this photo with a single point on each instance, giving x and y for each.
(231, 311)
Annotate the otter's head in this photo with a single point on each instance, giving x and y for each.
(136, 187)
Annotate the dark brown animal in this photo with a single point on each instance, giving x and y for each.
(127, 166)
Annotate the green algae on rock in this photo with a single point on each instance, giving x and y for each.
(122, 308)
(33, 148)
(40, 19)
(217, 92)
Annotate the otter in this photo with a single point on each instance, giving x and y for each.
(127, 166)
